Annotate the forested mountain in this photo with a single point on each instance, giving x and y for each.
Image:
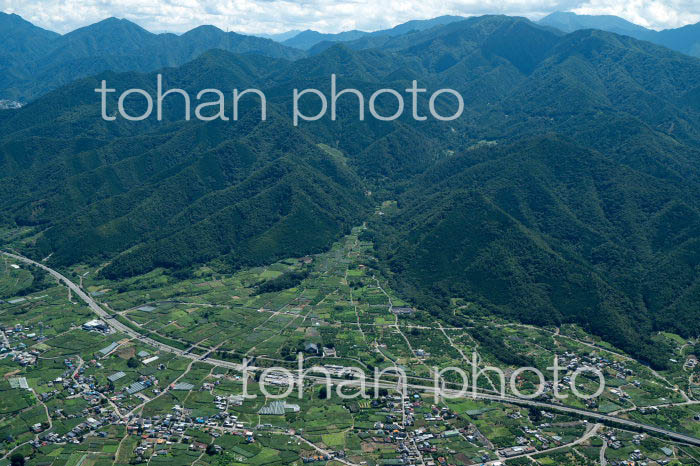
(21, 38)
(685, 39)
(307, 39)
(178, 193)
(279, 37)
(569, 22)
(34, 61)
(20, 44)
(567, 191)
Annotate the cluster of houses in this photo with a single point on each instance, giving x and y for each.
(413, 446)
(94, 419)
(73, 382)
(419, 445)
(613, 442)
(438, 414)
(20, 355)
(157, 432)
(13, 344)
(636, 456)
(6, 104)
(322, 457)
(571, 361)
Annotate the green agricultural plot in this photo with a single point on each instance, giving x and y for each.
(270, 314)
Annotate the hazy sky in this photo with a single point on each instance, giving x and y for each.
(252, 16)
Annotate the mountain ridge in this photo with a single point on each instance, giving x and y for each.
(307, 39)
(562, 195)
(685, 39)
(118, 45)
(34, 61)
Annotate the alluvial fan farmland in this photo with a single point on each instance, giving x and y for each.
(262, 290)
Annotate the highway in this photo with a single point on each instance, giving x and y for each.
(118, 326)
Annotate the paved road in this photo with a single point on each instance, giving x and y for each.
(603, 459)
(118, 326)
(106, 317)
(592, 432)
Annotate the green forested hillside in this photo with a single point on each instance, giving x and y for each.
(34, 61)
(572, 235)
(21, 38)
(567, 192)
(685, 39)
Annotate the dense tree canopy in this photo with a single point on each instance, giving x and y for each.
(566, 192)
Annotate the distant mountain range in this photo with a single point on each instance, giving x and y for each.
(567, 192)
(34, 61)
(305, 40)
(282, 36)
(685, 39)
(570, 22)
